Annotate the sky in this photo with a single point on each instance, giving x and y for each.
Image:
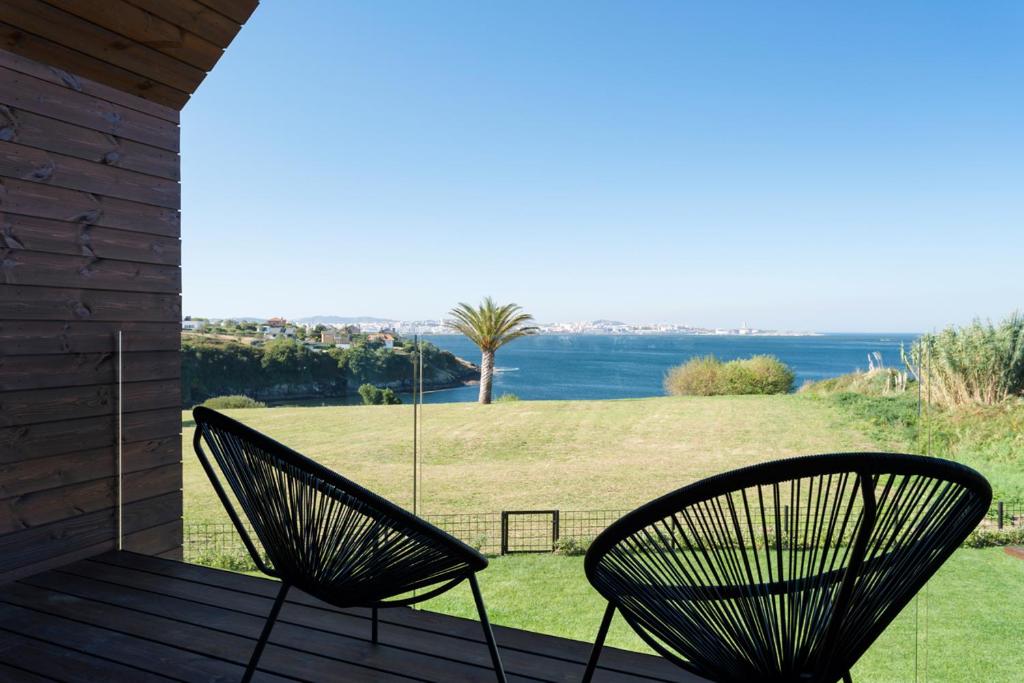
(812, 166)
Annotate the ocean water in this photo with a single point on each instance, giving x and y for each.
(547, 367)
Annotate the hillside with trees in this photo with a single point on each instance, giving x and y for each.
(287, 369)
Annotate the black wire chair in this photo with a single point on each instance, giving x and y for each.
(327, 535)
(785, 571)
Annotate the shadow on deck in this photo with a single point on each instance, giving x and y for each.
(128, 617)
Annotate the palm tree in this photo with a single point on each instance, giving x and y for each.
(490, 327)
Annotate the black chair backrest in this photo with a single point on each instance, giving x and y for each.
(321, 532)
(788, 570)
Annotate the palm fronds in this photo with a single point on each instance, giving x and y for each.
(489, 325)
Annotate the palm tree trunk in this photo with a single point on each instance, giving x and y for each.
(486, 375)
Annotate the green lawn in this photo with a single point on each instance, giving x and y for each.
(619, 454)
(968, 626)
(569, 455)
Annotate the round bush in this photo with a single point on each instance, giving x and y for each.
(231, 402)
(708, 376)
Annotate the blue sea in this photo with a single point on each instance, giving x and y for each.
(547, 367)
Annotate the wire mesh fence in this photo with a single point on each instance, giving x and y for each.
(498, 533)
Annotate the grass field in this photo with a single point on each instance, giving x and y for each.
(569, 455)
(619, 454)
(967, 620)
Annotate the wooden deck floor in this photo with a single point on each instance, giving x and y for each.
(127, 617)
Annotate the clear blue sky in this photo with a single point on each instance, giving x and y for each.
(789, 165)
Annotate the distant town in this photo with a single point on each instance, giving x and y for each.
(275, 327)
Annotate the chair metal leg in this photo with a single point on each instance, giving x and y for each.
(262, 642)
(602, 633)
(499, 671)
(375, 629)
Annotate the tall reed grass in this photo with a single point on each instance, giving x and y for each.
(979, 364)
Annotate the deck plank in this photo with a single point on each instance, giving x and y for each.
(123, 616)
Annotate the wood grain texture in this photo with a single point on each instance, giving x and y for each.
(30, 510)
(67, 104)
(16, 39)
(57, 304)
(51, 73)
(236, 10)
(41, 474)
(84, 239)
(30, 338)
(21, 267)
(60, 170)
(45, 133)
(73, 371)
(146, 29)
(194, 17)
(57, 203)
(66, 403)
(25, 442)
(45, 21)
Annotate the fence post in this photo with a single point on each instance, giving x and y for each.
(504, 532)
(999, 515)
(556, 527)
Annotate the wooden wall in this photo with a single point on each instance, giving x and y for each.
(89, 245)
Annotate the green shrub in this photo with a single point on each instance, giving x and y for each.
(980, 363)
(699, 376)
(708, 376)
(757, 375)
(231, 402)
(570, 546)
(238, 561)
(987, 537)
(373, 396)
(506, 398)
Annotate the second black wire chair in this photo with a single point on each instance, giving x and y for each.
(783, 572)
(328, 536)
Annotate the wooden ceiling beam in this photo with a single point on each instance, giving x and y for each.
(146, 29)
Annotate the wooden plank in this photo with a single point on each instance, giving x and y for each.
(162, 539)
(34, 373)
(72, 173)
(52, 303)
(71, 436)
(146, 29)
(36, 548)
(194, 17)
(60, 558)
(71, 106)
(24, 338)
(9, 672)
(83, 239)
(35, 509)
(66, 29)
(60, 663)
(147, 656)
(22, 267)
(210, 643)
(57, 203)
(403, 649)
(40, 474)
(43, 50)
(42, 132)
(236, 10)
(52, 74)
(616, 661)
(32, 406)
